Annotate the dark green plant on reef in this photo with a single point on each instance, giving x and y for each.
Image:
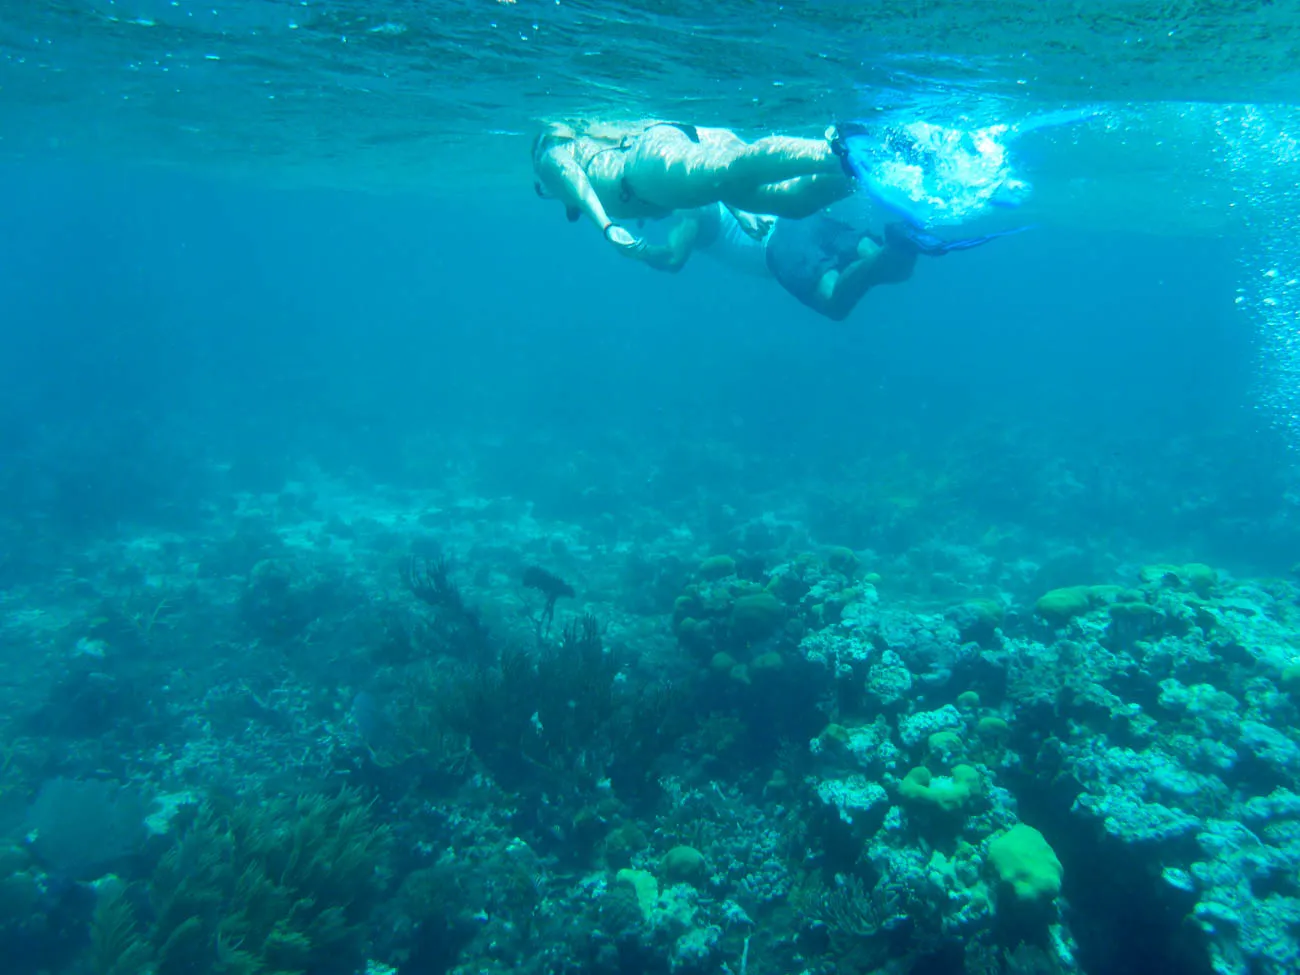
(115, 944)
(279, 888)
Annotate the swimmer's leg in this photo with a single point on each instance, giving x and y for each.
(776, 158)
(792, 199)
(838, 292)
(668, 169)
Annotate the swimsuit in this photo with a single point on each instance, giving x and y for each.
(725, 240)
(625, 192)
(800, 252)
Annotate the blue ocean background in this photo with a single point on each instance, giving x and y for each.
(397, 580)
(170, 336)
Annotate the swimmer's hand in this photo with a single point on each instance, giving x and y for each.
(752, 224)
(761, 228)
(624, 239)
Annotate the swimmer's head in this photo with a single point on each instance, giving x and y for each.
(552, 134)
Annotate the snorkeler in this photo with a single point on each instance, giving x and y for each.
(926, 175)
(650, 170)
(828, 263)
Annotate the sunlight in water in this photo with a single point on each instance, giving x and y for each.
(1263, 158)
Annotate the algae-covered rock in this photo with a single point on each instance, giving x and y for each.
(1023, 860)
(1133, 612)
(977, 619)
(1059, 606)
(991, 726)
(722, 663)
(755, 616)
(684, 865)
(947, 792)
(1200, 578)
(717, 567)
(644, 885)
(686, 607)
(842, 559)
(945, 745)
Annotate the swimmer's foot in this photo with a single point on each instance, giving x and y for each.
(902, 237)
(837, 136)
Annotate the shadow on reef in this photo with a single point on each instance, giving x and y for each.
(1125, 920)
(1124, 915)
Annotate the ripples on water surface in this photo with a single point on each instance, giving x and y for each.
(386, 90)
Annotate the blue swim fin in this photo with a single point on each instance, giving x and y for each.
(924, 177)
(858, 154)
(924, 242)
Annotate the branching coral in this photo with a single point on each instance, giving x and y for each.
(552, 587)
(457, 627)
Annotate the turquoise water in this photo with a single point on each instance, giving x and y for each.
(395, 578)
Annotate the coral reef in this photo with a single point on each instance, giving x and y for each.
(322, 741)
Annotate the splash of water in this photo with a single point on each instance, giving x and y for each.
(935, 175)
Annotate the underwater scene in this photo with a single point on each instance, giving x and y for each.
(649, 487)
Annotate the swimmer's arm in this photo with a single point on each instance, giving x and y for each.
(562, 175)
(751, 223)
(673, 255)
